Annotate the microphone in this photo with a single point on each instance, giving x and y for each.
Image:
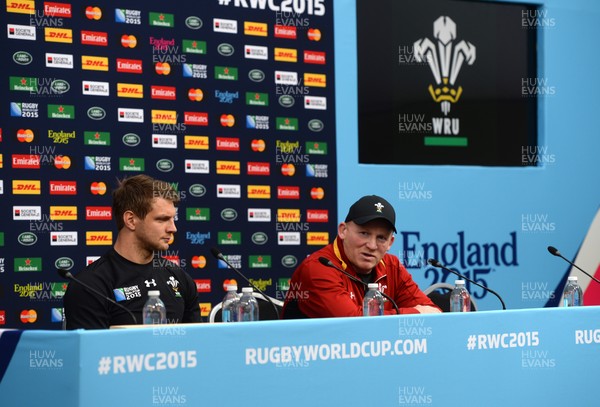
(216, 253)
(326, 262)
(554, 251)
(67, 274)
(436, 263)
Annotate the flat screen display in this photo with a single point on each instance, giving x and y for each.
(447, 82)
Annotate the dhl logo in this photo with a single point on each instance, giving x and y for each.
(317, 80)
(26, 187)
(130, 90)
(63, 35)
(257, 29)
(259, 191)
(205, 308)
(63, 213)
(21, 7)
(286, 55)
(90, 63)
(228, 167)
(98, 238)
(288, 215)
(196, 142)
(317, 238)
(164, 116)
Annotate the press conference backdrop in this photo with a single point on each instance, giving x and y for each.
(492, 223)
(231, 102)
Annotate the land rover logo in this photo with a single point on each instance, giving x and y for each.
(96, 113)
(256, 75)
(197, 190)
(229, 214)
(286, 101)
(315, 125)
(60, 86)
(193, 22)
(131, 139)
(225, 49)
(27, 239)
(259, 238)
(289, 261)
(64, 263)
(22, 58)
(165, 165)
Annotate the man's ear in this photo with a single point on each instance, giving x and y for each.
(129, 220)
(342, 230)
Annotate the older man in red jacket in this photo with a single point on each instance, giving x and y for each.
(318, 289)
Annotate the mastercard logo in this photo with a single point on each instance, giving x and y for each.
(317, 193)
(93, 13)
(62, 162)
(25, 135)
(98, 188)
(172, 239)
(314, 34)
(195, 95)
(258, 145)
(227, 120)
(288, 169)
(28, 316)
(229, 282)
(162, 68)
(128, 41)
(198, 262)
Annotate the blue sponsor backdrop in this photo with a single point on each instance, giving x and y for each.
(232, 103)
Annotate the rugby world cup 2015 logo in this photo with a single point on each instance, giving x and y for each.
(445, 57)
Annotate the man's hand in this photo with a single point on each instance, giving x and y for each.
(426, 309)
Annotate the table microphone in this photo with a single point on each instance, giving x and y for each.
(67, 274)
(554, 251)
(326, 262)
(436, 263)
(217, 253)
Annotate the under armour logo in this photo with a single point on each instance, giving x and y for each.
(352, 296)
(150, 283)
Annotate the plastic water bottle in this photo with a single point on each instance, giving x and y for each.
(572, 294)
(460, 300)
(228, 311)
(373, 302)
(247, 306)
(154, 311)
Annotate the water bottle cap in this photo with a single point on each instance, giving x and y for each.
(232, 287)
(373, 286)
(247, 289)
(153, 293)
(572, 278)
(459, 282)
